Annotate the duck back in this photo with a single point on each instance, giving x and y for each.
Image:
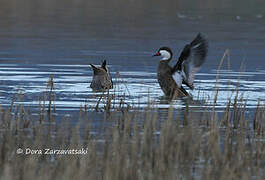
(101, 78)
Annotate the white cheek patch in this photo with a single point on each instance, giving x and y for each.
(165, 54)
(178, 78)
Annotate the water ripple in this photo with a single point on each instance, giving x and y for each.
(138, 87)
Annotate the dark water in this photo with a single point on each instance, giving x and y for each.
(39, 38)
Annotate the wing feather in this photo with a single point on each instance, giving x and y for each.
(178, 78)
(197, 55)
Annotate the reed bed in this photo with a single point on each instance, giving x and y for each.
(137, 144)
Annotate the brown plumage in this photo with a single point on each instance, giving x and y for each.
(101, 78)
(166, 81)
(191, 59)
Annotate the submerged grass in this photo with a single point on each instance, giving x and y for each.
(186, 144)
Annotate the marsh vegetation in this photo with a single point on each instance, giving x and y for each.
(136, 143)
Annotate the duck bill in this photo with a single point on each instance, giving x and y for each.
(157, 54)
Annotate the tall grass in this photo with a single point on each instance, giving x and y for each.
(187, 144)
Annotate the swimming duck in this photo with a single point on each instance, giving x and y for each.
(189, 62)
(101, 78)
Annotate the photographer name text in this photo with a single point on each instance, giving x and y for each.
(48, 151)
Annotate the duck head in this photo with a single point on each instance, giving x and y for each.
(165, 53)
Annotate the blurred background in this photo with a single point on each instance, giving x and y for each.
(38, 31)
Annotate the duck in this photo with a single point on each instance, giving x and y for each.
(102, 79)
(192, 57)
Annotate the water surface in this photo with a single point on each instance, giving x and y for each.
(40, 38)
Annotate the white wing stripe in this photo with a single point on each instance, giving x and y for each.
(197, 45)
(177, 78)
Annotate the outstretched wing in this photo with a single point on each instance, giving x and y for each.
(198, 49)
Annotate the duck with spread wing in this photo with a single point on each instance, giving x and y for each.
(192, 57)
